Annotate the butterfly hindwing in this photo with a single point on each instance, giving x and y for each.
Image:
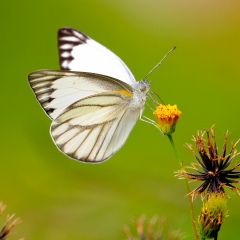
(93, 129)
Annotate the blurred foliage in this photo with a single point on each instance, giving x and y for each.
(151, 229)
(59, 198)
(8, 225)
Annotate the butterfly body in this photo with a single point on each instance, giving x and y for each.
(94, 101)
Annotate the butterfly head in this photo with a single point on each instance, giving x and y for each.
(144, 86)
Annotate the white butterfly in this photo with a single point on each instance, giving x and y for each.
(95, 105)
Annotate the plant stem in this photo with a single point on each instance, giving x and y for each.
(187, 188)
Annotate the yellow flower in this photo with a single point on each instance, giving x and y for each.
(167, 117)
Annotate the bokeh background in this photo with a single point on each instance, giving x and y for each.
(58, 198)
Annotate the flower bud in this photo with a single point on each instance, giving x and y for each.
(211, 216)
(167, 117)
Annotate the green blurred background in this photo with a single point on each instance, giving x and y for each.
(58, 198)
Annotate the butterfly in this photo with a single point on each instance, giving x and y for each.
(94, 101)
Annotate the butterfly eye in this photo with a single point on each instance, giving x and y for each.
(142, 87)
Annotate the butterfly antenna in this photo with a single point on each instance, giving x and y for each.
(159, 64)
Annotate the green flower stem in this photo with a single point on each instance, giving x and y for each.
(187, 188)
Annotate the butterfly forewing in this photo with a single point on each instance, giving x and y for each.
(56, 90)
(78, 52)
(69, 38)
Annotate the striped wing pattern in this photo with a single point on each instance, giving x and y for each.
(90, 112)
(56, 90)
(78, 52)
(93, 129)
(67, 39)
